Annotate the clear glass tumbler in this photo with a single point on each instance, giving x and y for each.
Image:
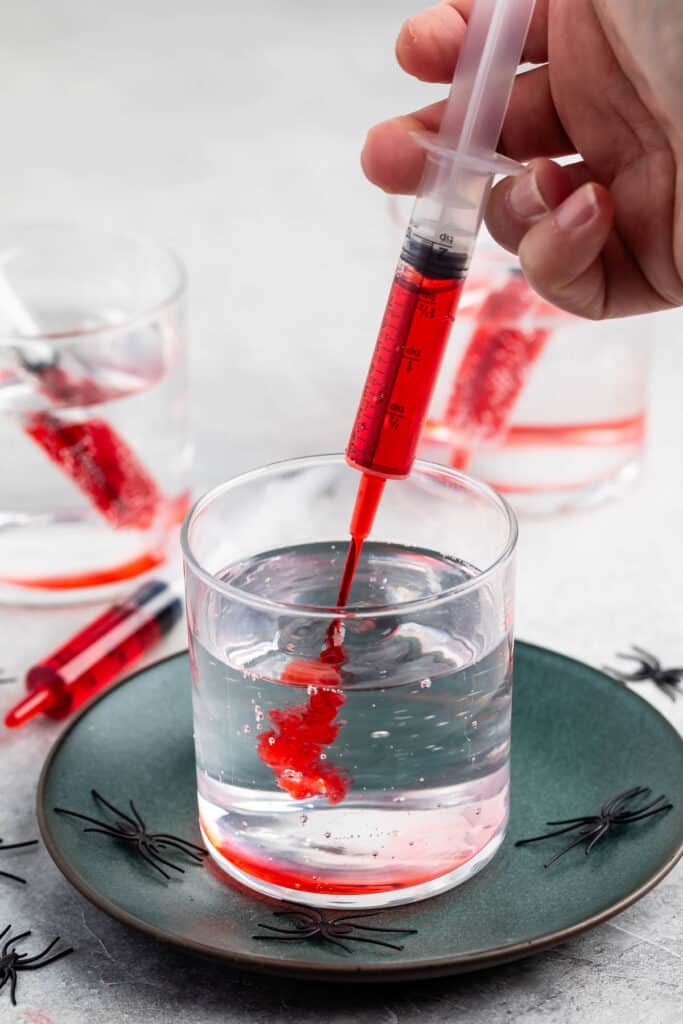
(355, 757)
(548, 408)
(93, 410)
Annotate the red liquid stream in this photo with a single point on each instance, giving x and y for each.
(91, 453)
(394, 404)
(97, 654)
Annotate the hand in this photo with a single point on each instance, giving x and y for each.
(602, 237)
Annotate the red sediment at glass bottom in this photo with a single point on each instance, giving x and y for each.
(266, 869)
(175, 513)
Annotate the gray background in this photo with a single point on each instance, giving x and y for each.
(232, 131)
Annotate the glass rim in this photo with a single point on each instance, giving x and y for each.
(175, 291)
(349, 611)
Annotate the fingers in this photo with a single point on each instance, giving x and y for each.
(518, 203)
(560, 232)
(428, 44)
(392, 159)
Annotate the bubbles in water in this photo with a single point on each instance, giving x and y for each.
(398, 800)
(328, 835)
(425, 684)
(246, 729)
(271, 740)
(379, 734)
(303, 818)
(258, 713)
(311, 690)
(421, 779)
(323, 757)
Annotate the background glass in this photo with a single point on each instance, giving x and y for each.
(568, 429)
(93, 410)
(382, 777)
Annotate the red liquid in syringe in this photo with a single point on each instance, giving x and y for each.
(398, 390)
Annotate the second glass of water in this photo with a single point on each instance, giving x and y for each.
(355, 757)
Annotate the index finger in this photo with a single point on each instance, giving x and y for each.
(428, 44)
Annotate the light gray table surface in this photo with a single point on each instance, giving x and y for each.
(232, 131)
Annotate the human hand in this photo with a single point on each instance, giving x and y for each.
(602, 237)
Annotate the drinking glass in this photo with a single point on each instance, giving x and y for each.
(351, 757)
(93, 402)
(548, 408)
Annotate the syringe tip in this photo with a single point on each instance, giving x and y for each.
(40, 701)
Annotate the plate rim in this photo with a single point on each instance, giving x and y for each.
(343, 971)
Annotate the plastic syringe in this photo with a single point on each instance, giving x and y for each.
(461, 162)
(97, 654)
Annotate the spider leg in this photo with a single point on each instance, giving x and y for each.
(300, 932)
(114, 810)
(198, 857)
(4, 931)
(576, 821)
(357, 916)
(602, 831)
(375, 942)
(11, 942)
(112, 833)
(50, 960)
(303, 913)
(395, 931)
(614, 805)
(647, 814)
(625, 677)
(546, 835)
(577, 842)
(137, 816)
(16, 878)
(16, 846)
(649, 659)
(149, 860)
(644, 807)
(336, 942)
(30, 959)
(83, 817)
(179, 839)
(202, 851)
(149, 847)
(13, 987)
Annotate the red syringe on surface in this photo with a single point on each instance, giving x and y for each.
(92, 658)
(460, 164)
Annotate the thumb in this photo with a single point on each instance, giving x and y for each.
(561, 254)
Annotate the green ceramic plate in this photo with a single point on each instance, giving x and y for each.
(578, 739)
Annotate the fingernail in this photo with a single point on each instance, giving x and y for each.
(525, 197)
(578, 210)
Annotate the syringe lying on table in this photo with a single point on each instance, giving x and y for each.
(461, 162)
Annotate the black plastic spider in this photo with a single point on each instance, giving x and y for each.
(310, 923)
(12, 962)
(15, 846)
(667, 679)
(593, 827)
(133, 830)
